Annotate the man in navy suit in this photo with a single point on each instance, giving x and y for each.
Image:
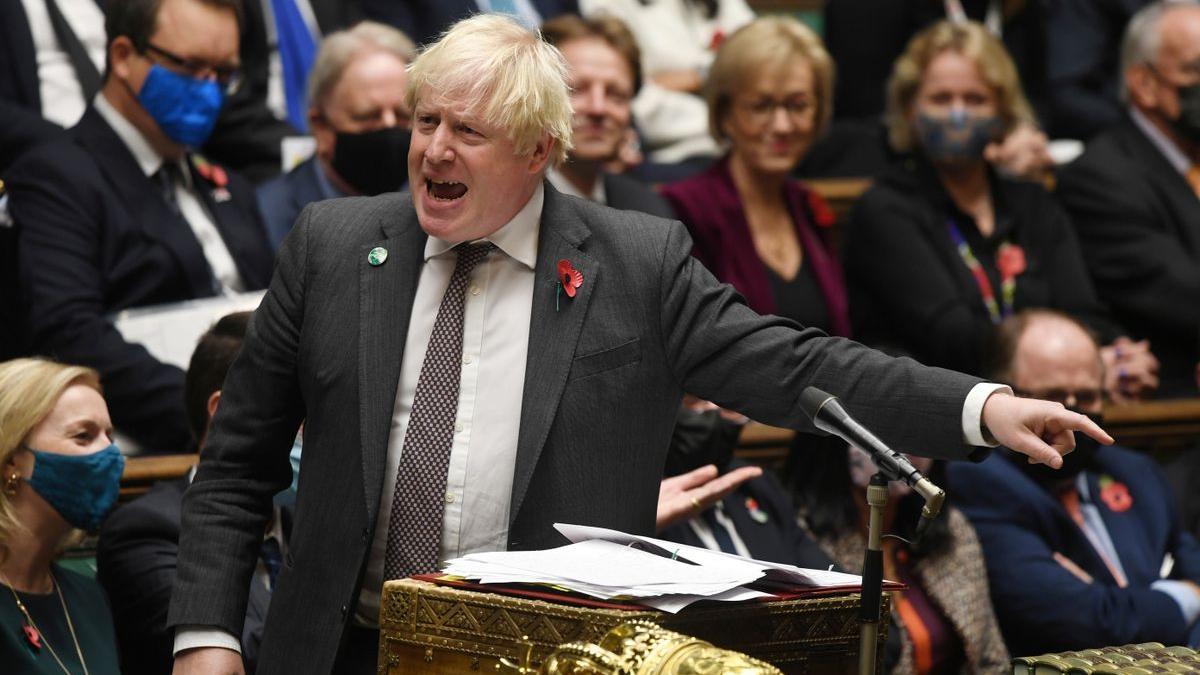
(119, 213)
(1088, 556)
(359, 121)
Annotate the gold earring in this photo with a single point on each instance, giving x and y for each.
(10, 485)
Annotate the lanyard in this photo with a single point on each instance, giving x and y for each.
(1008, 279)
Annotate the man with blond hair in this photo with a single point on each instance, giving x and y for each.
(484, 357)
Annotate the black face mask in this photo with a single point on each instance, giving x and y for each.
(1083, 457)
(1188, 122)
(701, 438)
(373, 162)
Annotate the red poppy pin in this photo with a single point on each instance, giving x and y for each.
(569, 280)
(1115, 494)
(718, 38)
(216, 175)
(1010, 260)
(33, 637)
(821, 213)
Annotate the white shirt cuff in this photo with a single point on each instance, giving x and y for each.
(1183, 595)
(192, 637)
(972, 413)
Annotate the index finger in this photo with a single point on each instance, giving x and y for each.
(1077, 422)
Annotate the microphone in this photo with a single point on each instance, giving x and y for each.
(829, 416)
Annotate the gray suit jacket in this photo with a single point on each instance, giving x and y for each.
(605, 375)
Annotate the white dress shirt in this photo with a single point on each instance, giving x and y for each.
(190, 205)
(58, 85)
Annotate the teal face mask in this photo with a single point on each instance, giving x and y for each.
(82, 488)
(957, 137)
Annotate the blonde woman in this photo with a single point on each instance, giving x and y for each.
(60, 474)
(943, 247)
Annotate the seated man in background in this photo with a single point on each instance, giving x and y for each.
(360, 123)
(1090, 555)
(1134, 195)
(119, 213)
(604, 75)
(140, 541)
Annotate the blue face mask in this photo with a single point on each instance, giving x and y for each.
(958, 137)
(185, 108)
(82, 488)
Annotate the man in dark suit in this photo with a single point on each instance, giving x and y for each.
(513, 358)
(119, 214)
(1129, 195)
(1088, 556)
(139, 542)
(425, 20)
(359, 121)
(253, 125)
(604, 73)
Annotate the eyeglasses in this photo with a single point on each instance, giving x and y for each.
(763, 110)
(229, 77)
(1082, 398)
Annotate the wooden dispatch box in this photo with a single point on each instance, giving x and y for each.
(425, 628)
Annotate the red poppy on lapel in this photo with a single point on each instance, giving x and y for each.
(212, 173)
(1010, 260)
(1115, 495)
(821, 213)
(717, 39)
(570, 278)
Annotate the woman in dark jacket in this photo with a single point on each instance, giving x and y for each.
(769, 95)
(943, 247)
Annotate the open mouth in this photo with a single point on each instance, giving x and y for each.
(445, 190)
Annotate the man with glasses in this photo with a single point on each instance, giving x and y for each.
(1134, 195)
(120, 213)
(1092, 554)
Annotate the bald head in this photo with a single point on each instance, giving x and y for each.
(1054, 355)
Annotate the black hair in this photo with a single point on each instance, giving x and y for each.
(819, 476)
(215, 353)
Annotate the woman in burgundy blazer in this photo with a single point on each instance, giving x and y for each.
(754, 227)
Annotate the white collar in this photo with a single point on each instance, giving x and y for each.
(1160, 140)
(565, 186)
(145, 154)
(518, 238)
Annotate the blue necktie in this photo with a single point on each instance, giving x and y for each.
(719, 532)
(506, 7)
(297, 50)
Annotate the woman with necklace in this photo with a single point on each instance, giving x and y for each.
(769, 95)
(59, 474)
(943, 247)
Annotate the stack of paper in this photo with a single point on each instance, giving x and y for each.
(610, 565)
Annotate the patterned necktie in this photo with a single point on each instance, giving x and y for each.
(1193, 178)
(418, 501)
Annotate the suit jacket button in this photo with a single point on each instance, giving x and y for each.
(366, 535)
(290, 562)
(345, 610)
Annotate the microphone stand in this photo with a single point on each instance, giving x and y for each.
(871, 594)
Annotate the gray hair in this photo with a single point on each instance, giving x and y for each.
(1143, 38)
(338, 49)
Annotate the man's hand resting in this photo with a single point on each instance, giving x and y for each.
(686, 495)
(1040, 429)
(208, 661)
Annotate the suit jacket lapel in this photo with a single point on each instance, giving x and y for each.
(144, 201)
(22, 55)
(246, 240)
(386, 295)
(1125, 531)
(556, 323)
(1171, 186)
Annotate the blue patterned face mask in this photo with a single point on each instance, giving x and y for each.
(82, 488)
(957, 137)
(185, 108)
